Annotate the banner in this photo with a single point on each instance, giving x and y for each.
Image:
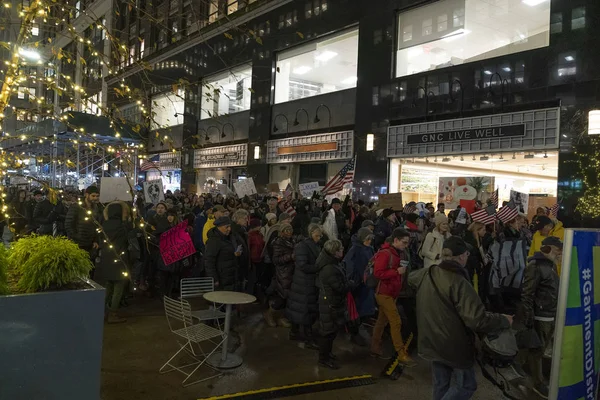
(176, 244)
(576, 355)
(307, 189)
(154, 192)
(112, 189)
(245, 187)
(521, 200)
(454, 189)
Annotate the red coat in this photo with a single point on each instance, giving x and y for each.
(256, 244)
(385, 270)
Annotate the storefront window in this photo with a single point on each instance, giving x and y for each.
(227, 93)
(323, 66)
(454, 32)
(164, 108)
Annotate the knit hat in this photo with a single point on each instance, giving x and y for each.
(364, 234)
(336, 201)
(254, 223)
(218, 207)
(387, 212)
(271, 216)
(457, 245)
(92, 189)
(542, 221)
(286, 227)
(439, 219)
(222, 221)
(284, 216)
(366, 223)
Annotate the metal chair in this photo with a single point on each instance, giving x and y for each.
(196, 287)
(178, 312)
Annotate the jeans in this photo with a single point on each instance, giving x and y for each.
(388, 312)
(464, 386)
(114, 294)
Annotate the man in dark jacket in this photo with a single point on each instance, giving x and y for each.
(37, 198)
(239, 233)
(43, 217)
(450, 311)
(384, 227)
(220, 258)
(81, 221)
(539, 300)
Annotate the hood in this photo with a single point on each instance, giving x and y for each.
(355, 241)
(116, 210)
(326, 259)
(454, 267)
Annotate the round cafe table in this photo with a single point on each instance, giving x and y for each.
(227, 360)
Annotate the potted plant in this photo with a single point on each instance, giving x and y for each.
(51, 321)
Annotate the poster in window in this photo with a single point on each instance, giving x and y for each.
(454, 189)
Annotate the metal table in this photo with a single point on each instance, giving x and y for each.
(227, 360)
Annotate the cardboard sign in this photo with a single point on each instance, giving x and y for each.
(154, 191)
(113, 189)
(462, 217)
(468, 205)
(245, 187)
(307, 189)
(393, 201)
(521, 200)
(176, 244)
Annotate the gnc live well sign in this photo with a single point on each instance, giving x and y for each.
(492, 132)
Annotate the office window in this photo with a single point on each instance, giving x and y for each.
(322, 66)
(567, 64)
(165, 106)
(21, 92)
(35, 30)
(578, 18)
(454, 32)
(556, 22)
(226, 93)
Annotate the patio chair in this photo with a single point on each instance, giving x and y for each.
(196, 287)
(178, 313)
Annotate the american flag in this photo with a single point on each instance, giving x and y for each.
(289, 191)
(290, 210)
(554, 210)
(150, 163)
(346, 175)
(508, 212)
(494, 198)
(486, 215)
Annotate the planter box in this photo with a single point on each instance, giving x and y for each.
(51, 344)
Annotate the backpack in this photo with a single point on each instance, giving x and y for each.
(369, 278)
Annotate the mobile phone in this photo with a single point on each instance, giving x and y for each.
(239, 249)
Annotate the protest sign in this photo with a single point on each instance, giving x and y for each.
(521, 200)
(154, 192)
(245, 187)
(393, 201)
(176, 244)
(112, 189)
(462, 217)
(307, 189)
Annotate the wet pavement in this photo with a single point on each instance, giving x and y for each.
(134, 351)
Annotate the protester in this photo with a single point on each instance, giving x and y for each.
(356, 261)
(478, 257)
(37, 197)
(333, 289)
(271, 219)
(220, 258)
(449, 314)
(368, 224)
(256, 244)
(283, 259)
(18, 212)
(43, 218)
(82, 222)
(218, 211)
(239, 235)
(384, 227)
(168, 275)
(434, 241)
(302, 304)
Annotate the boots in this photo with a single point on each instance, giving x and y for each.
(284, 322)
(114, 318)
(270, 317)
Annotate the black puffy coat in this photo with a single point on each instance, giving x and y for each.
(301, 220)
(118, 229)
(43, 217)
(239, 236)
(220, 260)
(303, 300)
(283, 250)
(333, 288)
(82, 231)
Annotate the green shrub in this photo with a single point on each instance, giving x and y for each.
(3, 269)
(48, 262)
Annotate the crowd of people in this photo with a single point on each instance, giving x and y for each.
(334, 266)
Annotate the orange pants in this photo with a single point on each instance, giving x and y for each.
(388, 312)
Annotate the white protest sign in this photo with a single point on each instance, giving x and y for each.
(307, 189)
(245, 187)
(462, 216)
(154, 191)
(112, 189)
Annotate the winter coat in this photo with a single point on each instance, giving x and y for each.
(283, 249)
(509, 259)
(220, 260)
(385, 269)
(256, 243)
(383, 230)
(446, 321)
(240, 237)
(303, 298)
(539, 296)
(356, 261)
(301, 220)
(43, 217)
(80, 225)
(333, 289)
(118, 229)
(432, 247)
(208, 225)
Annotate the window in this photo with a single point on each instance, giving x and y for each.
(227, 93)
(35, 30)
(77, 9)
(556, 23)
(567, 65)
(21, 92)
(165, 106)
(454, 32)
(578, 18)
(322, 66)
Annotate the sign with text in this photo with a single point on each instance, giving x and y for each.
(307, 189)
(245, 187)
(308, 148)
(492, 132)
(219, 157)
(393, 201)
(176, 244)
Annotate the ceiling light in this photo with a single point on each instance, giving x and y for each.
(528, 156)
(455, 35)
(301, 70)
(507, 69)
(533, 3)
(350, 80)
(326, 55)
(484, 158)
(545, 155)
(31, 54)
(570, 58)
